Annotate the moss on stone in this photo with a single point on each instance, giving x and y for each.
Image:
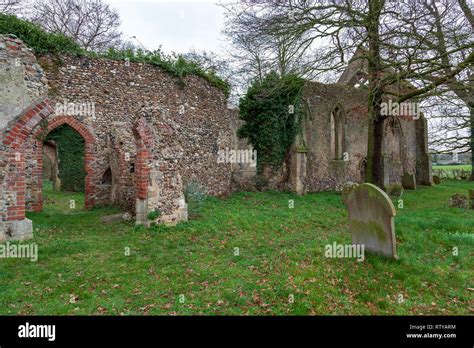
(373, 228)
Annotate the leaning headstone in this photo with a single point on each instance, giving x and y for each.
(126, 217)
(115, 218)
(458, 201)
(371, 223)
(408, 181)
(111, 218)
(471, 198)
(436, 179)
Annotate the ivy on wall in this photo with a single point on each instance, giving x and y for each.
(70, 145)
(36, 38)
(272, 111)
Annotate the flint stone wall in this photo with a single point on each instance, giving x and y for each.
(22, 84)
(195, 110)
(146, 132)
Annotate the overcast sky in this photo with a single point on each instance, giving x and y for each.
(176, 25)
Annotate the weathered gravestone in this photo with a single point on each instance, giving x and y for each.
(436, 179)
(371, 223)
(346, 189)
(115, 218)
(408, 181)
(458, 201)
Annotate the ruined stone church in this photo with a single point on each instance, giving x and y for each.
(146, 136)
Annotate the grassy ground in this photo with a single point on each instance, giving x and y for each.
(194, 268)
(455, 167)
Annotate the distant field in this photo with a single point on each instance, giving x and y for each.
(451, 167)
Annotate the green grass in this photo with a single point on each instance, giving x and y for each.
(82, 266)
(459, 172)
(451, 167)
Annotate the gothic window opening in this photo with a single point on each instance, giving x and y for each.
(337, 133)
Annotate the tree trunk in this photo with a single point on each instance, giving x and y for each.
(471, 109)
(374, 173)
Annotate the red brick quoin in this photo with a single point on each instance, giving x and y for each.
(16, 140)
(145, 141)
(19, 140)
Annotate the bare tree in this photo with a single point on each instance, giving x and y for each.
(249, 54)
(9, 6)
(339, 26)
(92, 23)
(256, 52)
(449, 119)
(212, 62)
(395, 53)
(436, 54)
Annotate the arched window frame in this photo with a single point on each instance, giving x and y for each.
(337, 132)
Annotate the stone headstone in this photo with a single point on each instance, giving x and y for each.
(436, 179)
(347, 188)
(126, 216)
(408, 181)
(458, 201)
(115, 218)
(371, 223)
(111, 218)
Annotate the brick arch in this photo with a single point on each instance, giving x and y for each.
(89, 158)
(73, 123)
(16, 140)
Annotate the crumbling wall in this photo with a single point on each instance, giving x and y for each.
(312, 164)
(187, 118)
(196, 111)
(147, 133)
(323, 171)
(424, 175)
(23, 92)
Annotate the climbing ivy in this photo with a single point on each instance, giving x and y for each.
(70, 145)
(272, 110)
(36, 38)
